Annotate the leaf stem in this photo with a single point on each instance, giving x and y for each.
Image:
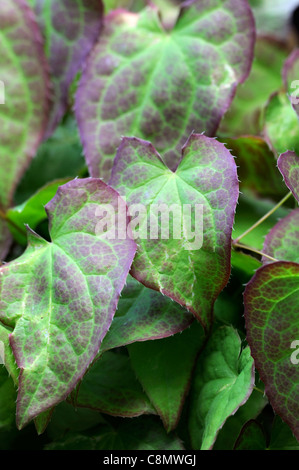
(249, 248)
(262, 219)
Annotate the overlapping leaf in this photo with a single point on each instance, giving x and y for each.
(164, 369)
(288, 164)
(223, 381)
(141, 80)
(271, 312)
(191, 269)
(60, 297)
(70, 29)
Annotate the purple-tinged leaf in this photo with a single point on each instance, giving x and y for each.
(111, 387)
(193, 274)
(288, 164)
(60, 297)
(164, 368)
(271, 301)
(141, 80)
(25, 84)
(282, 242)
(290, 74)
(70, 29)
(144, 314)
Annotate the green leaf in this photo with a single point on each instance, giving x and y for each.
(281, 126)
(110, 386)
(31, 212)
(288, 164)
(70, 28)
(282, 242)
(141, 80)
(244, 115)
(271, 313)
(223, 381)
(7, 401)
(282, 437)
(23, 117)
(252, 437)
(9, 359)
(144, 433)
(60, 297)
(205, 178)
(164, 369)
(144, 314)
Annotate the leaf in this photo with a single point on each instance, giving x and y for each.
(143, 314)
(60, 297)
(256, 166)
(290, 78)
(7, 401)
(23, 117)
(282, 242)
(252, 437)
(42, 420)
(205, 176)
(5, 239)
(70, 29)
(244, 115)
(32, 211)
(141, 80)
(281, 126)
(288, 165)
(9, 360)
(282, 437)
(223, 381)
(271, 303)
(164, 368)
(110, 386)
(144, 433)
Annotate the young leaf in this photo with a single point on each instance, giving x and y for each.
(288, 164)
(70, 29)
(144, 314)
(193, 274)
(25, 80)
(164, 369)
(141, 80)
(223, 381)
(244, 115)
(60, 297)
(282, 242)
(271, 303)
(110, 386)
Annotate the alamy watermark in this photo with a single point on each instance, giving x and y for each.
(158, 221)
(294, 96)
(2, 354)
(2, 92)
(295, 354)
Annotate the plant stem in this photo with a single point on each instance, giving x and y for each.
(263, 218)
(245, 247)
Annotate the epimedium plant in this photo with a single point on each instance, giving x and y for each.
(198, 345)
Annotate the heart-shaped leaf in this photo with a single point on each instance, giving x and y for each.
(25, 84)
(70, 29)
(164, 368)
(271, 303)
(60, 297)
(223, 381)
(206, 183)
(288, 164)
(144, 314)
(141, 80)
(282, 242)
(110, 386)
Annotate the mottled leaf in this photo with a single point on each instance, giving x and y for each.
(282, 242)
(144, 314)
(70, 29)
(143, 433)
(31, 212)
(288, 164)
(110, 386)
(256, 163)
(206, 176)
(244, 115)
(252, 437)
(141, 80)
(223, 381)
(60, 297)
(271, 313)
(164, 368)
(24, 77)
(281, 126)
